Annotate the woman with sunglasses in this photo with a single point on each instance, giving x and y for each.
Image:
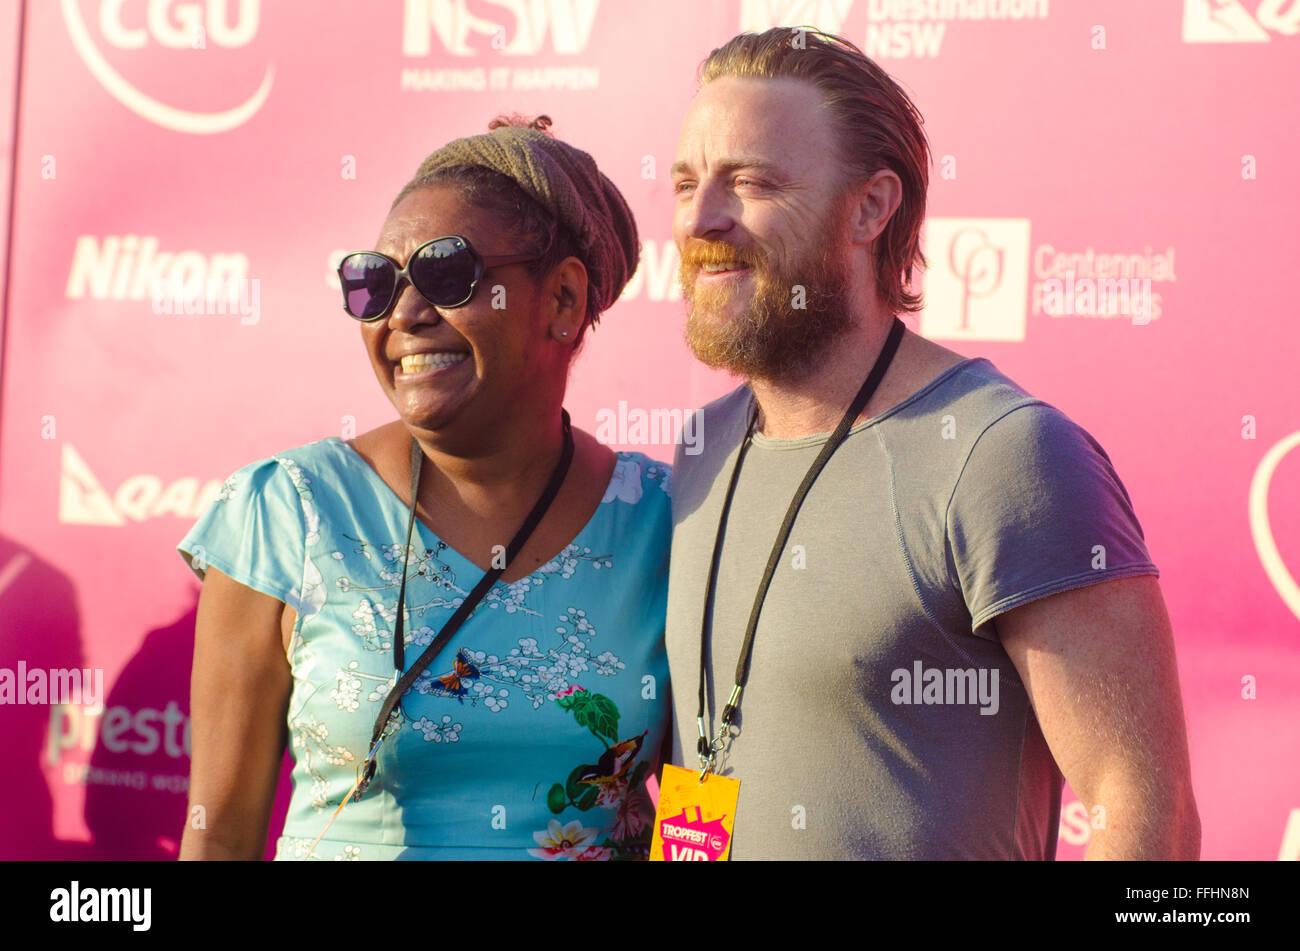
(480, 674)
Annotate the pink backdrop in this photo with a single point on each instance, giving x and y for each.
(257, 141)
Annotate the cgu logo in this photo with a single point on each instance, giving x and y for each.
(569, 23)
(167, 23)
(83, 501)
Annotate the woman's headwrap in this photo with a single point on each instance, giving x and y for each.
(564, 180)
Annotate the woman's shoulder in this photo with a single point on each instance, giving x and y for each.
(304, 455)
(285, 474)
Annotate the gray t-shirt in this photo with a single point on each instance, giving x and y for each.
(882, 718)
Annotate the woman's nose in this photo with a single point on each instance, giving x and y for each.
(411, 308)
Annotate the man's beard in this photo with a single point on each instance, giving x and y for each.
(771, 338)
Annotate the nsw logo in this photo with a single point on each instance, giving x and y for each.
(463, 32)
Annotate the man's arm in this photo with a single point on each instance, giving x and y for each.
(1098, 664)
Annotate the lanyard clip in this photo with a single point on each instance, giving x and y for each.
(705, 751)
(709, 751)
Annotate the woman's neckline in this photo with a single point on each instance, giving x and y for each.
(350, 452)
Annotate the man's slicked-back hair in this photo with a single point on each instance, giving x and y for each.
(875, 126)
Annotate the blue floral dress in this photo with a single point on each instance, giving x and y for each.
(530, 734)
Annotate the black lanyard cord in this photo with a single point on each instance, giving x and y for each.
(466, 606)
(732, 707)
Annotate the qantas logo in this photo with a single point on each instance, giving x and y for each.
(83, 500)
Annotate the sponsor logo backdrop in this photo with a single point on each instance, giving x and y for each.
(1111, 217)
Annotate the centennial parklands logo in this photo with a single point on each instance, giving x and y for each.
(523, 28)
(203, 29)
(1102, 284)
(84, 501)
(1231, 21)
(977, 286)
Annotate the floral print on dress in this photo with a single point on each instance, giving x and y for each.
(305, 497)
(615, 780)
(541, 674)
(312, 737)
(511, 597)
(625, 485)
(570, 841)
(228, 489)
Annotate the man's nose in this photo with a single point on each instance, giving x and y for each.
(709, 211)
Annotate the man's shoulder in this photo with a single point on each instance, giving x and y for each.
(714, 429)
(729, 407)
(969, 401)
(988, 401)
(974, 388)
(709, 435)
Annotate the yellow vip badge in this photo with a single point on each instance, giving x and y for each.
(694, 820)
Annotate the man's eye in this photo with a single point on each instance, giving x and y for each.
(680, 186)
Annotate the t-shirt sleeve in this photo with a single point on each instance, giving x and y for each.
(1038, 509)
(253, 531)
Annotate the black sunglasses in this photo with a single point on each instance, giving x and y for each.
(444, 271)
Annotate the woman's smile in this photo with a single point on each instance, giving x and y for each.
(418, 367)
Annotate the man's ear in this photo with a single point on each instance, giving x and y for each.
(874, 201)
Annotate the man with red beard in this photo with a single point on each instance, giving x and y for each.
(906, 597)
